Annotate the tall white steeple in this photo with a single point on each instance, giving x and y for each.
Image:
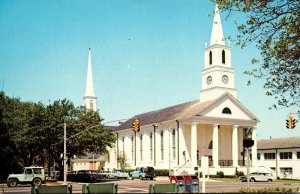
(218, 75)
(217, 36)
(90, 100)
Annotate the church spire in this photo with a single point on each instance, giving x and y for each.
(217, 36)
(217, 75)
(90, 98)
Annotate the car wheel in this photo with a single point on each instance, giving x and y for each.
(252, 180)
(12, 183)
(36, 182)
(141, 178)
(270, 180)
(151, 178)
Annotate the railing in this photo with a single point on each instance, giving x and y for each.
(225, 162)
(210, 162)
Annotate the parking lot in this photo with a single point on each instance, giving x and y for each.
(142, 186)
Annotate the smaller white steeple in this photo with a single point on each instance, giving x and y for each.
(90, 98)
(217, 36)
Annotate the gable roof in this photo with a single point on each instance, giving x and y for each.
(221, 99)
(279, 143)
(180, 111)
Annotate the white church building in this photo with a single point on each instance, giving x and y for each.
(176, 137)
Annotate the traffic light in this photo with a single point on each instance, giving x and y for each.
(290, 122)
(247, 143)
(136, 125)
(293, 123)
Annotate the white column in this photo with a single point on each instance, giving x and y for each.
(182, 146)
(215, 154)
(234, 149)
(194, 144)
(254, 147)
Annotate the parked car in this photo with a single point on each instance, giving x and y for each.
(89, 176)
(143, 173)
(34, 175)
(258, 177)
(117, 174)
(71, 175)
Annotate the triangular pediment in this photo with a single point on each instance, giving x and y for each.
(226, 106)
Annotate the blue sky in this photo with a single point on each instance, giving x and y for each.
(146, 55)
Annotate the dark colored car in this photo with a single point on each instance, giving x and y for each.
(71, 175)
(88, 176)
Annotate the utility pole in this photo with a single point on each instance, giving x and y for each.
(248, 169)
(65, 153)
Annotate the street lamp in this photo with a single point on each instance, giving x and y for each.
(66, 139)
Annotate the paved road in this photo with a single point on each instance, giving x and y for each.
(138, 186)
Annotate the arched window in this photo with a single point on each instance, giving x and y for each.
(162, 144)
(210, 57)
(173, 144)
(223, 56)
(226, 110)
(210, 145)
(151, 146)
(91, 105)
(141, 147)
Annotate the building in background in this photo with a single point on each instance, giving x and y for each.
(281, 155)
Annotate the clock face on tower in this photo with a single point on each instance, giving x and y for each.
(225, 79)
(208, 80)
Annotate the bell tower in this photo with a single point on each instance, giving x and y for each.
(90, 100)
(217, 75)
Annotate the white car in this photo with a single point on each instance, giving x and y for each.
(258, 177)
(117, 174)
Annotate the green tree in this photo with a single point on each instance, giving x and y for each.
(32, 133)
(274, 25)
(9, 158)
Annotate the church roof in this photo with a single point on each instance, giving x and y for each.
(170, 113)
(186, 110)
(279, 143)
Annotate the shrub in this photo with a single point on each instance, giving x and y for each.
(220, 174)
(161, 172)
(240, 173)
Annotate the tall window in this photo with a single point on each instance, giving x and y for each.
(141, 147)
(223, 56)
(151, 147)
(173, 144)
(132, 148)
(210, 57)
(285, 155)
(298, 155)
(258, 156)
(162, 145)
(123, 146)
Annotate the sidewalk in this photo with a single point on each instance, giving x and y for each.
(166, 178)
